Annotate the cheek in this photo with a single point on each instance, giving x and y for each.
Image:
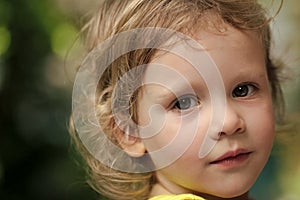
(166, 134)
(180, 137)
(261, 125)
(165, 147)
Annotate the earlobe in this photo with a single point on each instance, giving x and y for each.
(133, 146)
(136, 149)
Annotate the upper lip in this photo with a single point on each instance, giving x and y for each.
(231, 154)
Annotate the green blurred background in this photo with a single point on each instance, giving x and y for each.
(36, 157)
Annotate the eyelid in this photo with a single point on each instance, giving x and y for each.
(248, 83)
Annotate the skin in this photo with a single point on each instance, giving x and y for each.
(248, 123)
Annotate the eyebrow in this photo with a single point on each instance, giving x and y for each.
(176, 89)
(252, 74)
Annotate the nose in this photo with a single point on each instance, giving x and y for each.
(233, 121)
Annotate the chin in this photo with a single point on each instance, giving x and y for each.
(236, 192)
(229, 192)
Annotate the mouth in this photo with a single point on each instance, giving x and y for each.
(232, 158)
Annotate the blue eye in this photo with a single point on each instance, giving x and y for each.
(243, 90)
(186, 102)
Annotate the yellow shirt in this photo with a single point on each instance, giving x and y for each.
(177, 197)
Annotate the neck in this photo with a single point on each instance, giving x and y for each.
(210, 197)
(159, 189)
(164, 186)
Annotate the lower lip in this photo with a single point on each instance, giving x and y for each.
(233, 161)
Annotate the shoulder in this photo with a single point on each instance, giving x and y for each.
(177, 197)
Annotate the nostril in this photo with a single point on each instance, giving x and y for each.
(220, 133)
(239, 130)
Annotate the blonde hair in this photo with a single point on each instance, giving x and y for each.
(186, 16)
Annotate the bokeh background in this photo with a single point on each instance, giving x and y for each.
(37, 160)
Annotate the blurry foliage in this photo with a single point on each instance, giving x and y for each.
(4, 40)
(63, 32)
(35, 161)
(35, 103)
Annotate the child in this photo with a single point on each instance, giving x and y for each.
(176, 99)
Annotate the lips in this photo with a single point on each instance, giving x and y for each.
(236, 156)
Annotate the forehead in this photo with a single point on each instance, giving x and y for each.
(241, 51)
(242, 47)
(228, 37)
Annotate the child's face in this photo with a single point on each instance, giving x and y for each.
(243, 148)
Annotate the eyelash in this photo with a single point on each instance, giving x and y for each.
(193, 101)
(248, 92)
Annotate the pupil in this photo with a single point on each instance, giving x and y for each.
(184, 104)
(241, 91)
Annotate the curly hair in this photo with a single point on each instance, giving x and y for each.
(185, 16)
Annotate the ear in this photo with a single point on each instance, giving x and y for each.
(132, 145)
